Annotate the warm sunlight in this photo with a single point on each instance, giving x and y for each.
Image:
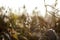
(30, 5)
(29, 19)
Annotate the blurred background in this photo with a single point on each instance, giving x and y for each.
(28, 19)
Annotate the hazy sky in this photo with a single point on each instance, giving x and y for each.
(30, 4)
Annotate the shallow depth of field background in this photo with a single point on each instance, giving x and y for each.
(37, 17)
(30, 5)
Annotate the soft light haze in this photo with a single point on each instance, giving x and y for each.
(30, 4)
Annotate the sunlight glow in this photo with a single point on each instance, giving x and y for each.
(30, 5)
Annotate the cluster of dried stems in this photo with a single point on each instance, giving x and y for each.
(30, 27)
